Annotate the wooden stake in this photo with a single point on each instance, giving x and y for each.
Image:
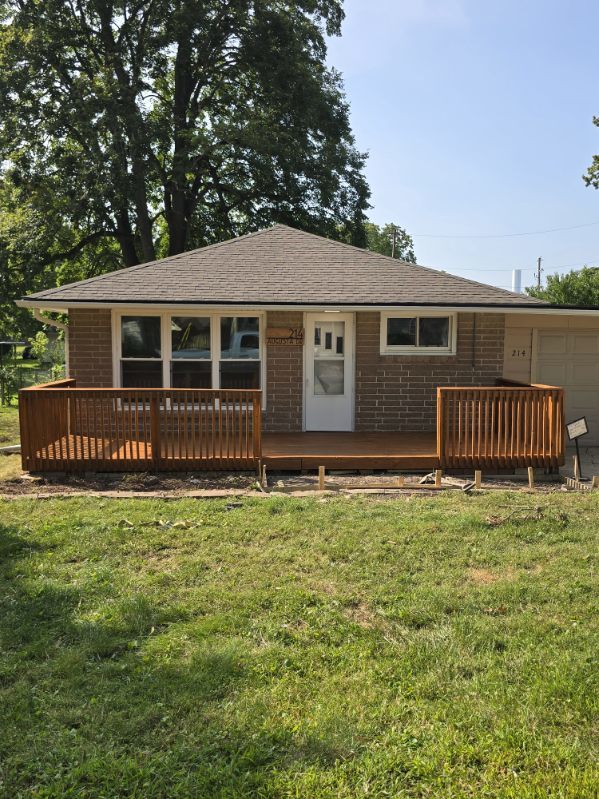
(438, 476)
(531, 478)
(263, 481)
(576, 468)
(321, 478)
(477, 478)
(595, 482)
(401, 481)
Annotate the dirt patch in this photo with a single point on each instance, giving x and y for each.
(362, 615)
(482, 576)
(144, 482)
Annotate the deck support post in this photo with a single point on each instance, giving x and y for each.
(477, 478)
(155, 430)
(321, 478)
(438, 476)
(531, 478)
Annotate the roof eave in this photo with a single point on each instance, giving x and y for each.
(64, 305)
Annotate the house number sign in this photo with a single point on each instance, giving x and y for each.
(285, 336)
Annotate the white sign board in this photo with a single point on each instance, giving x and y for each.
(577, 428)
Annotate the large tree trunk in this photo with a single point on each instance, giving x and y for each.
(176, 209)
(126, 238)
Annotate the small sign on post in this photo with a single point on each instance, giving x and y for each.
(576, 429)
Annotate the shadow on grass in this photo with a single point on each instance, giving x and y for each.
(124, 707)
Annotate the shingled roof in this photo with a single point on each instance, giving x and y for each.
(280, 266)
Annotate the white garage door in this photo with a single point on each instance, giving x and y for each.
(571, 360)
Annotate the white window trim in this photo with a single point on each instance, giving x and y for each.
(405, 349)
(166, 343)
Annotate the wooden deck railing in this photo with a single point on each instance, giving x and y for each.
(500, 426)
(65, 428)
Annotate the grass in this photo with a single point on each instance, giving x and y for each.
(10, 468)
(299, 648)
(9, 425)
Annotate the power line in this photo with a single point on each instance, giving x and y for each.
(499, 235)
(587, 262)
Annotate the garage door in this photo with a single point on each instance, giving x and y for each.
(571, 360)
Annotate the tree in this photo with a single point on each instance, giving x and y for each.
(591, 178)
(380, 239)
(154, 126)
(574, 288)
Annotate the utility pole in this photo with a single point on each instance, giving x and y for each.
(539, 271)
(393, 240)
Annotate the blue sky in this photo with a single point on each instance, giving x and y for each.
(477, 117)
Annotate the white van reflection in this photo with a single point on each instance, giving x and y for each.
(245, 344)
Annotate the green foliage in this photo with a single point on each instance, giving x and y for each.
(9, 383)
(299, 648)
(9, 426)
(380, 239)
(131, 130)
(574, 288)
(45, 350)
(39, 344)
(591, 178)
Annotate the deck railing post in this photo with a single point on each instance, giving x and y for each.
(257, 426)
(155, 429)
(440, 426)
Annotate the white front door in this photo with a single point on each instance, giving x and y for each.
(329, 403)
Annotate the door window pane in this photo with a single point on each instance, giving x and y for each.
(191, 374)
(140, 337)
(240, 337)
(328, 376)
(433, 331)
(401, 331)
(240, 374)
(141, 374)
(190, 337)
(329, 341)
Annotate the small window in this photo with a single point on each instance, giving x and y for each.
(401, 332)
(239, 337)
(430, 334)
(141, 352)
(140, 337)
(191, 374)
(239, 365)
(190, 337)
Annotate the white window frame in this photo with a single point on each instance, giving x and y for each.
(415, 349)
(166, 342)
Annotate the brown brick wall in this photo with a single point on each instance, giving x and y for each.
(393, 392)
(398, 392)
(90, 347)
(284, 377)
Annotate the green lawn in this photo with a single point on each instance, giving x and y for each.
(9, 425)
(299, 648)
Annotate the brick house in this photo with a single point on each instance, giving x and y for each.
(335, 338)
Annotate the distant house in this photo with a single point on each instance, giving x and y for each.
(336, 340)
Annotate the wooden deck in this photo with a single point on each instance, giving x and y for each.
(66, 428)
(398, 451)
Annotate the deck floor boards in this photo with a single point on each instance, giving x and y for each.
(286, 451)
